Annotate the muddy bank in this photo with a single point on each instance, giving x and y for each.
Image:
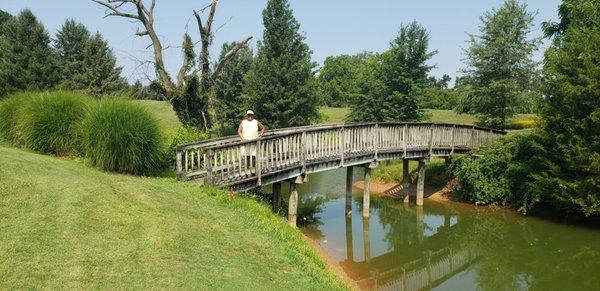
(395, 190)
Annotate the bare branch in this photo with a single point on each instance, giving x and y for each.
(115, 9)
(230, 54)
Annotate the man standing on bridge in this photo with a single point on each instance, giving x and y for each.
(250, 129)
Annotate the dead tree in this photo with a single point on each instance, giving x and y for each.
(144, 14)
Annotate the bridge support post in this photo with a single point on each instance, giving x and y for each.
(349, 176)
(293, 204)
(405, 180)
(367, 193)
(421, 182)
(277, 196)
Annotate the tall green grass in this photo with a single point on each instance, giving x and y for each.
(48, 121)
(121, 136)
(9, 116)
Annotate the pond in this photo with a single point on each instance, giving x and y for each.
(444, 246)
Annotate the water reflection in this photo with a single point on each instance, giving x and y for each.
(445, 246)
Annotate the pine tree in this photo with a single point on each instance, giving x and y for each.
(572, 110)
(281, 86)
(500, 64)
(27, 61)
(4, 17)
(228, 89)
(70, 43)
(101, 74)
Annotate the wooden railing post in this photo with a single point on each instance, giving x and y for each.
(209, 166)
(472, 137)
(342, 149)
(258, 163)
(404, 136)
(376, 140)
(431, 140)
(452, 140)
(303, 151)
(179, 166)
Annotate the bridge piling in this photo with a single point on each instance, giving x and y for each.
(349, 177)
(405, 180)
(367, 193)
(293, 204)
(277, 195)
(421, 182)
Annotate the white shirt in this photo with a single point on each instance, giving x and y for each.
(249, 129)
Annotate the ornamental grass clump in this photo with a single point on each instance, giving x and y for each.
(120, 136)
(9, 116)
(47, 121)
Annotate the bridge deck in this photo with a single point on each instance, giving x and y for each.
(287, 153)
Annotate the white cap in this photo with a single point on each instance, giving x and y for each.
(249, 112)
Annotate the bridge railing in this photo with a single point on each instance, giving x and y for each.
(223, 160)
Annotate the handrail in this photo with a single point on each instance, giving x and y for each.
(229, 159)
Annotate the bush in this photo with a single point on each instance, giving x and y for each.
(504, 173)
(48, 121)
(9, 116)
(523, 123)
(184, 134)
(121, 136)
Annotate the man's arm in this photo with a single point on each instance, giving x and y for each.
(240, 131)
(261, 127)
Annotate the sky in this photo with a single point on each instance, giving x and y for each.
(331, 27)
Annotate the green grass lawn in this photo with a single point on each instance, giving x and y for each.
(64, 225)
(163, 111)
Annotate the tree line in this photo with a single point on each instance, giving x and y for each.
(74, 60)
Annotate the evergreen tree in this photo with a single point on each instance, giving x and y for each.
(281, 87)
(572, 110)
(393, 80)
(70, 43)
(4, 17)
(500, 64)
(100, 75)
(27, 61)
(228, 89)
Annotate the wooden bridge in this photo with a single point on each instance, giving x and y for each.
(291, 154)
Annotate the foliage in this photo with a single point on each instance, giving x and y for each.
(439, 98)
(48, 121)
(390, 82)
(68, 226)
(280, 86)
(26, 59)
(229, 104)
(184, 134)
(10, 109)
(87, 63)
(502, 74)
(572, 110)
(338, 79)
(121, 136)
(504, 174)
(4, 17)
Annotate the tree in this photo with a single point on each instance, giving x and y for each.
(396, 78)
(70, 44)
(4, 17)
(101, 74)
(27, 61)
(192, 109)
(229, 107)
(338, 79)
(572, 109)
(281, 86)
(500, 64)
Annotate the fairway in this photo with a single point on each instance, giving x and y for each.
(64, 225)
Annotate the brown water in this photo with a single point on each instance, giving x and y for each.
(445, 246)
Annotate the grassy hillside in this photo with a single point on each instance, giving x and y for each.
(165, 114)
(64, 225)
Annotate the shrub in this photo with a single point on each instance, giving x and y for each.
(503, 174)
(121, 136)
(48, 121)
(9, 116)
(184, 134)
